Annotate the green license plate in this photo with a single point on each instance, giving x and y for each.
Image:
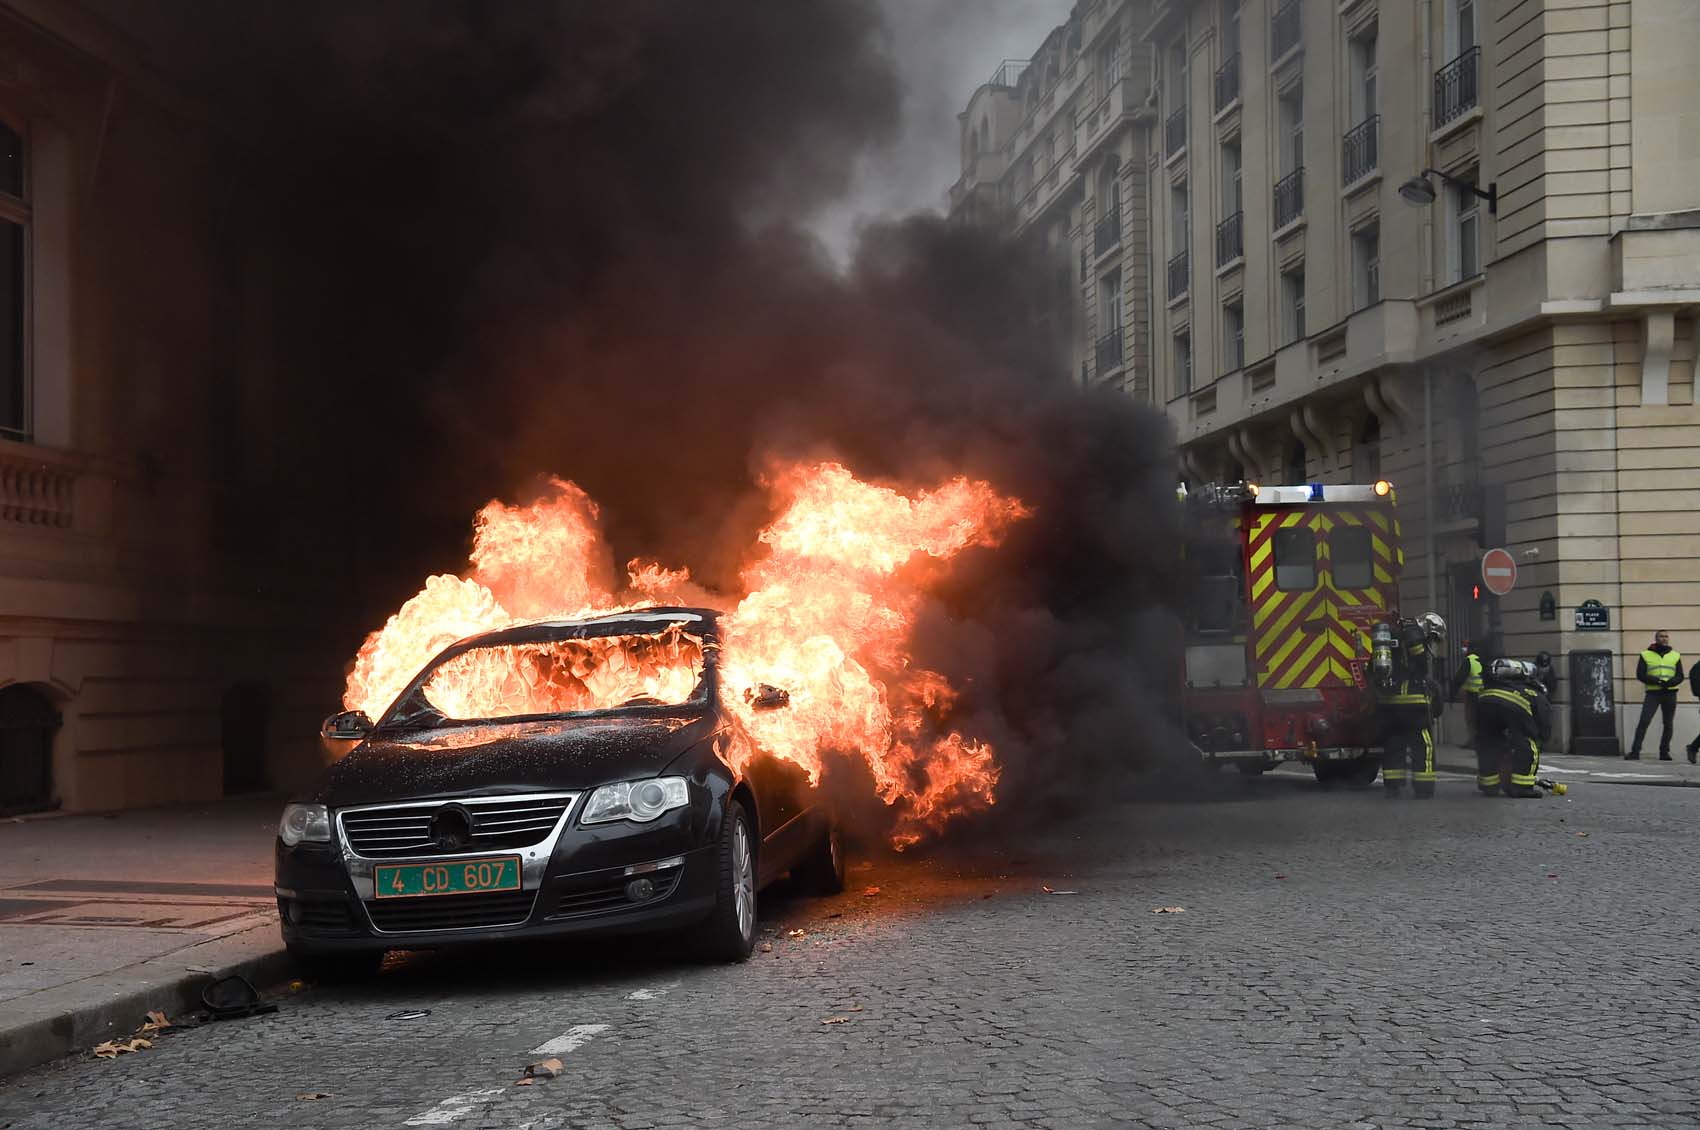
(463, 876)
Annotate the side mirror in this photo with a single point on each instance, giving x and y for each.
(765, 697)
(350, 725)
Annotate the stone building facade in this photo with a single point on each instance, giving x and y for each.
(1510, 339)
(134, 663)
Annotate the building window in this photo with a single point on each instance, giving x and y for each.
(1366, 266)
(15, 407)
(1295, 558)
(1177, 74)
(1230, 28)
(1293, 302)
(1111, 63)
(1463, 250)
(1363, 75)
(1233, 336)
(1183, 363)
(1231, 195)
(1460, 26)
(1349, 558)
(1291, 112)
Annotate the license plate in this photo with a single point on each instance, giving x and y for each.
(463, 876)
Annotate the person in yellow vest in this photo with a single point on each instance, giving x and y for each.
(1468, 679)
(1660, 671)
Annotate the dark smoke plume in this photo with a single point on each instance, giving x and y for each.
(511, 239)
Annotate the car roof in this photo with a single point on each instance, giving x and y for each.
(697, 621)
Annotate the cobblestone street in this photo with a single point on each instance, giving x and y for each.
(1341, 961)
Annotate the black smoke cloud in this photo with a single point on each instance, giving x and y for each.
(513, 239)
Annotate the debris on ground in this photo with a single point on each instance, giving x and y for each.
(112, 1049)
(1051, 891)
(1168, 910)
(409, 1014)
(156, 1022)
(797, 933)
(542, 1070)
(870, 892)
(836, 1020)
(1580, 835)
(311, 1096)
(767, 947)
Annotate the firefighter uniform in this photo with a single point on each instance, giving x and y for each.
(1514, 717)
(1405, 705)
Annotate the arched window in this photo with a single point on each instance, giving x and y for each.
(1297, 460)
(28, 722)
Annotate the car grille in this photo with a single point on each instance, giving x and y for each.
(612, 896)
(497, 822)
(451, 912)
(318, 917)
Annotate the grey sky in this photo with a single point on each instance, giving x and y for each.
(944, 49)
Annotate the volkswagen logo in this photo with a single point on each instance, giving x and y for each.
(451, 828)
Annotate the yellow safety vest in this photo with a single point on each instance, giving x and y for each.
(1473, 681)
(1661, 668)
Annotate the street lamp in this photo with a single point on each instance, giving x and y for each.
(1420, 190)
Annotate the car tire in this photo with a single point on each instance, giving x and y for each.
(729, 932)
(337, 968)
(822, 871)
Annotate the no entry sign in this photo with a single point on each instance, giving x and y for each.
(1499, 571)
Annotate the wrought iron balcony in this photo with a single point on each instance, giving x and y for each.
(1228, 81)
(1359, 150)
(1230, 238)
(1455, 89)
(1110, 351)
(1178, 276)
(1285, 29)
(1458, 496)
(1289, 198)
(1108, 232)
(1174, 133)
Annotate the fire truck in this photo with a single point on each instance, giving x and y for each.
(1289, 585)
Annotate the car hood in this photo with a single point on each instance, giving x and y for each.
(516, 757)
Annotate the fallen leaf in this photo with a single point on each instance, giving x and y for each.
(311, 1096)
(854, 1008)
(767, 947)
(1580, 835)
(837, 1020)
(1169, 910)
(544, 1068)
(797, 933)
(156, 1022)
(870, 892)
(112, 1049)
(524, 1081)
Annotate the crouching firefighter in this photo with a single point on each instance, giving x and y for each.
(1405, 659)
(1513, 718)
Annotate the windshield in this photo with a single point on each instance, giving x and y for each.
(557, 677)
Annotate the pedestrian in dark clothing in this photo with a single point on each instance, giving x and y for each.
(1694, 685)
(1545, 673)
(1660, 671)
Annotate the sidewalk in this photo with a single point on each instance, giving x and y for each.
(105, 917)
(1592, 770)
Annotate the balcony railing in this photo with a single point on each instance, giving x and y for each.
(1455, 86)
(1174, 133)
(1289, 198)
(1230, 238)
(1228, 81)
(1108, 233)
(1178, 276)
(1285, 28)
(1359, 156)
(1110, 351)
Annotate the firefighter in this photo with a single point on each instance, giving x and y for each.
(1514, 717)
(1468, 679)
(1407, 702)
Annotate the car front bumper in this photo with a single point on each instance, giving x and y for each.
(325, 906)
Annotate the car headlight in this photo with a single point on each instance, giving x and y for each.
(304, 822)
(640, 801)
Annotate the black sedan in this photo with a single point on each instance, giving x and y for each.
(443, 826)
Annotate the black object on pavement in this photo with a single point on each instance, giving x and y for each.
(234, 997)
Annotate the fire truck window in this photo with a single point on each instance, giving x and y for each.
(1218, 592)
(1349, 551)
(1295, 560)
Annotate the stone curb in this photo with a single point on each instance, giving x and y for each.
(1665, 783)
(73, 1018)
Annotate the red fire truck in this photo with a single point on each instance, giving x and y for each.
(1289, 583)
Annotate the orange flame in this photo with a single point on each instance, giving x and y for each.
(831, 598)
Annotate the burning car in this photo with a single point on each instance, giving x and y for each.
(553, 778)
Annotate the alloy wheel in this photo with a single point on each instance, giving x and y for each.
(743, 881)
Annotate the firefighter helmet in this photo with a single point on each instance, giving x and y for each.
(1433, 624)
(1512, 670)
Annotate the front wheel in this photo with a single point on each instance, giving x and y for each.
(729, 931)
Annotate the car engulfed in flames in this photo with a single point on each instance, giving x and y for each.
(554, 756)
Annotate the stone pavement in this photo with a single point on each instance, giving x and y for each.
(105, 917)
(1338, 960)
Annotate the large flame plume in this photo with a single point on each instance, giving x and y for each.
(831, 594)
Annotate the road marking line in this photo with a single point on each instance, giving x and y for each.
(652, 992)
(453, 1108)
(571, 1040)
